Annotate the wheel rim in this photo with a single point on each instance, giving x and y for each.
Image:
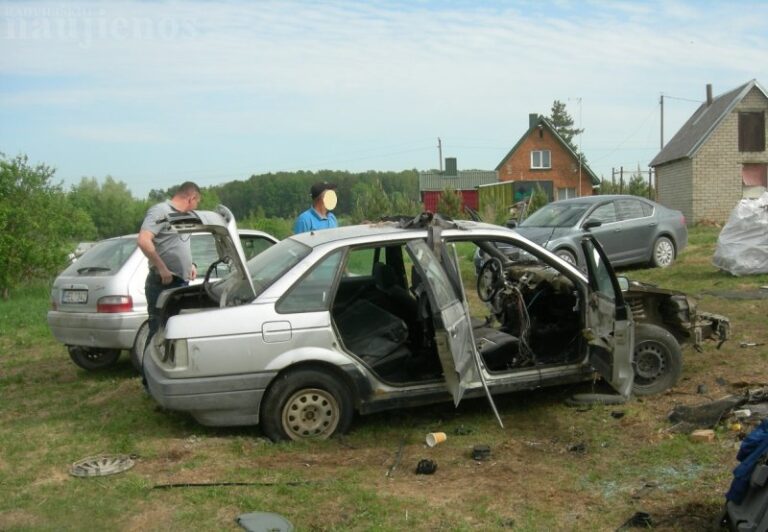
(310, 413)
(650, 362)
(567, 257)
(664, 253)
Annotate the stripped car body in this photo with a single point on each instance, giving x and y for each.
(380, 316)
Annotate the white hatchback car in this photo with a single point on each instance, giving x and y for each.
(378, 316)
(98, 306)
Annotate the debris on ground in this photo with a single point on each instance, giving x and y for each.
(426, 467)
(751, 344)
(730, 413)
(702, 436)
(264, 521)
(705, 416)
(398, 457)
(579, 448)
(101, 465)
(481, 452)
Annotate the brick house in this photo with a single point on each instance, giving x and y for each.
(718, 157)
(542, 155)
(465, 182)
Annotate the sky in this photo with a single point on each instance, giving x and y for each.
(154, 93)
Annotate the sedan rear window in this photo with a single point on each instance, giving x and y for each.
(271, 264)
(104, 258)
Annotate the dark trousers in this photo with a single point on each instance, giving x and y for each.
(153, 287)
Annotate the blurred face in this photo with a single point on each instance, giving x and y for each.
(329, 199)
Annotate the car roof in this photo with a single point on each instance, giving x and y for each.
(600, 198)
(379, 230)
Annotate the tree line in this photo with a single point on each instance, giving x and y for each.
(40, 221)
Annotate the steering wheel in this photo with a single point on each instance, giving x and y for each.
(207, 280)
(489, 280)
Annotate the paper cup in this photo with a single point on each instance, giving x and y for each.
(433, 438)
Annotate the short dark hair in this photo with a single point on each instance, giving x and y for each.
(187, 188)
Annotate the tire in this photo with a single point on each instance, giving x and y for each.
(137, 351)
(657, 360)
(306, 404)
(93, 359)
(567, 256)
(663, 254)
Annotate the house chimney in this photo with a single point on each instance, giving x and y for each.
(450, 166)
(533, 119)
(709, 94)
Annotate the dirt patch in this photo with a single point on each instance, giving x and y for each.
(18, 519)
(124, 390)
(55, 476)
(156, 515)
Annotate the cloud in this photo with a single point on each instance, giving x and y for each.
(268, 80)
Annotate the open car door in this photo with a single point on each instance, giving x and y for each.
(609, 328)
(453, 330)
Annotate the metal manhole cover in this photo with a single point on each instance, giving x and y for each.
(101, 466)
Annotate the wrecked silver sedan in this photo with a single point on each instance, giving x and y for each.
(380, 316)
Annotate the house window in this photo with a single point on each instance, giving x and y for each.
(754, 179)
(565, 193)
(540, 159)
(752, 131)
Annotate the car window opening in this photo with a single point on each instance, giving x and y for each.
(530, 316)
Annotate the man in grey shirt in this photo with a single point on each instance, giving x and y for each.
(169, 253)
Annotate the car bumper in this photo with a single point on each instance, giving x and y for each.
(89, 329)
(219, 401)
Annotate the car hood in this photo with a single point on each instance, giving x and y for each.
(221, 224)
(542, 235)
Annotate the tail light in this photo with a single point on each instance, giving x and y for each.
(110, 304)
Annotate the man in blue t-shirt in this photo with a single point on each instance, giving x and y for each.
(319, 215)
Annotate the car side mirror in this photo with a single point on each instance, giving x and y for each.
(510, 224)
(623, 283)
(592, 222)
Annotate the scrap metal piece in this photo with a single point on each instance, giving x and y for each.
(264, 521)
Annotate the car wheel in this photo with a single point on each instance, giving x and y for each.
(306, 404)
(567, 256)
(93, 359)
(137, 351)
(657, 360)
(663, 252)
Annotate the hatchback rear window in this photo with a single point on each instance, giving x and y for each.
(104, 258)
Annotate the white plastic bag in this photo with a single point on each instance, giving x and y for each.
(742, 247)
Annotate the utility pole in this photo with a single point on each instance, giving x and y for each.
(661, 133)
(440, 153)
(581, 134)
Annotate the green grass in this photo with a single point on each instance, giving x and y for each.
(53, 414)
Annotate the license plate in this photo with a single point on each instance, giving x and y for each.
(74, 296)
